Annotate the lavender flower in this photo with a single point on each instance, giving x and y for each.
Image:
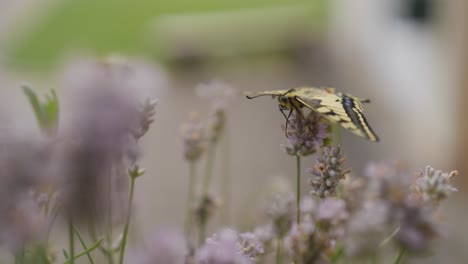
(281, 212)
(305, 134)
(91, 156)
(220, 94)
(389, 182)
(193, 138)
(417, 226)
(304, 244)
(332, 212)
(146, 114)
(434, 185)
(328, 172)
(223, 248)
(217, 122)
(265, 233)
(164, 247)
(368, 227)
(24, 168)
(251, 245)
(308, 205)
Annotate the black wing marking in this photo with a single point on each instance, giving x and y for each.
(344, 110)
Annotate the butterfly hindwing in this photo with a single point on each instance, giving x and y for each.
(342, 109)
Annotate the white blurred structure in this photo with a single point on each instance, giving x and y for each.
(409, 69)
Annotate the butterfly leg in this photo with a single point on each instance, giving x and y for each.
(287, 119)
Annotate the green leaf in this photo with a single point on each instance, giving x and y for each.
(36, 254)
(338, 254)
(65, 254)
(46, 111)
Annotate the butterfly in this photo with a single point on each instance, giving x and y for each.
(339, 108)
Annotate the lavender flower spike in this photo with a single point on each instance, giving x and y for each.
(305, 134)
(193, 138)
(328, 172)
(434, 185)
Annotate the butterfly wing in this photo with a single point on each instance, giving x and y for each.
(274, 93)
(339, 108)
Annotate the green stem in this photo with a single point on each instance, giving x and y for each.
(375, 258)
(388, 239)
(188, 216)
(86, 252)
(298, 189)
(208, 169)
(19, 256)
(206, 187)
(127, 221)
(109, 219)
(71, 250)
(336, 134)
(92, 234)
(201, 235)
(226, 180)
(83, 244)
(279, 251)
(400, 254)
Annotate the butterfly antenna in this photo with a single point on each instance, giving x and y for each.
(365, 100)
(255, 96)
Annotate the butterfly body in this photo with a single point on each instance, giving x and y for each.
(340, 108)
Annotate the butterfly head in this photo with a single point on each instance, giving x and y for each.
(284, 102)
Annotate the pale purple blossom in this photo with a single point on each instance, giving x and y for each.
(328, 172)
(305, 134)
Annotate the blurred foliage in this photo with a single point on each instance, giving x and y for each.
(121, 26)
(46, 111)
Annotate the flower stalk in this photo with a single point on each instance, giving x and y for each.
(71, 241)
(298, 189)
(400, 254)
(191, 187)
(279, 251)
(134, 173)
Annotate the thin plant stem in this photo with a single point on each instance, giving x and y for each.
(86, 252)
(336, 134)
(375, 258)
(19, 256)
(226, 180)
(208, 169)
(71, 237)
(201, 234)
(279, 251)
(206, 186)
(298, 189)
(389, 238)
(191, 187)
(109, 218)
(127, 221)
(92, 234)
(400, 254)
(83, 244)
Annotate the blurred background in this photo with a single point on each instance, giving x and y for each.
(408, 56)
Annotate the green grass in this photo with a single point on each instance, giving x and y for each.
(107, 26)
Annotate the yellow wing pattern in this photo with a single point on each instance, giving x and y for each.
(343, 109)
